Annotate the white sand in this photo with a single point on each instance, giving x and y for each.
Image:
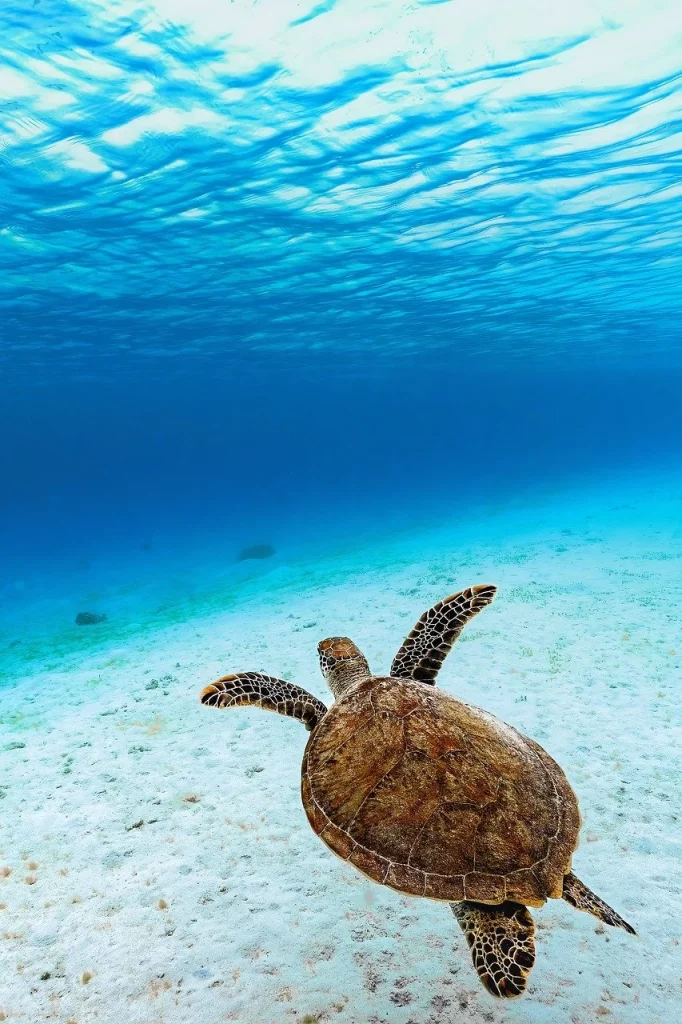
(158, 862)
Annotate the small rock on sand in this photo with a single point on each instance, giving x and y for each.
(256, 551)
(89, 618)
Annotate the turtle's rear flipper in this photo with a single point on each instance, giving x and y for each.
(579, 896)
(502, 944)
(265, 692)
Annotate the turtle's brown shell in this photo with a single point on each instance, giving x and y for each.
(437, 798)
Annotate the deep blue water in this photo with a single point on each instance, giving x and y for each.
(279, 270)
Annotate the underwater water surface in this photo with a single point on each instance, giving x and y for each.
(311, 314)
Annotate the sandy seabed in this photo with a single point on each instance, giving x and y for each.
(156, 864)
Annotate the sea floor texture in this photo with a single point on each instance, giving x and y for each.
(156, 865)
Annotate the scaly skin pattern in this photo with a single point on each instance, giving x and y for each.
(427, 646)
(267, 692)
(579, 896)
(502, 944)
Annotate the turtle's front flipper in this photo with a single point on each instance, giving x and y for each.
(264, 692)
(425, 649)
(502, 944)
(579, 896)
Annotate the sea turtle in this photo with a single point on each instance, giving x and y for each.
(431, 796)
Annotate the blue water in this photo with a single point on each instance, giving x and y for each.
(314, 275)
(256, 276)
(285, 271)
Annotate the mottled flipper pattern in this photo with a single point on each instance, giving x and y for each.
(579, 896)
(426, 648)
(502, 944)
(265, 692)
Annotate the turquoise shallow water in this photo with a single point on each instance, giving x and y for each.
(390, 291)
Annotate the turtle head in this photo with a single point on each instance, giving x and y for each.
(342, 663)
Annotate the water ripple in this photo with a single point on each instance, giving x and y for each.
(438, 176)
